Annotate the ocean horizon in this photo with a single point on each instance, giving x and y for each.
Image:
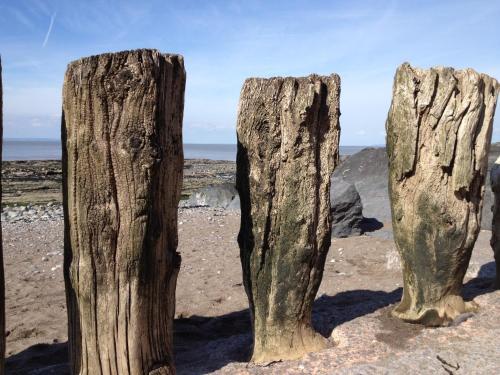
(50, 149)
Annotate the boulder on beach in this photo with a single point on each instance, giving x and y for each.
(346, 209)
(487, 215)
(367, 170)
(216, 196)
(235, 203)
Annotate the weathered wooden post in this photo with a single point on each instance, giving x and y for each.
(122, 172)
(495, 225)
(2, 281)
(288, 135)
(438, 135)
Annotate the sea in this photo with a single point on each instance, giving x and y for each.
(50, 149)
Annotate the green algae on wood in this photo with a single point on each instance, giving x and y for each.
(438, 135)
(288, 135)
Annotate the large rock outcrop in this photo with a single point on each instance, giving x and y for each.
(367, 170)
(122, 177)
(438, 136)
(288, 134)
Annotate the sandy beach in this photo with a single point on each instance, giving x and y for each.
(212, 333)
(358, 290)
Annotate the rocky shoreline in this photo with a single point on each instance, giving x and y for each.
(32, 189)
(31, 213)
(39, 182)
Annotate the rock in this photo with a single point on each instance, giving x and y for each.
(218, 196)
(346, 209)
(495, 223)
(235, 204)
(393, 260)
(367, 170)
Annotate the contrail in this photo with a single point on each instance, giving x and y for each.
(52, 19)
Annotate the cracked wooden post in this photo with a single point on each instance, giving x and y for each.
(2, 281)
(438, 135)
(495, 225)
(288, 135)
(122, 173)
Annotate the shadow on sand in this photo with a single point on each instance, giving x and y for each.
(205, 344)
(481, 284)
(371, 224)
(39, 359)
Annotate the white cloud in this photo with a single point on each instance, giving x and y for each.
(47, 35)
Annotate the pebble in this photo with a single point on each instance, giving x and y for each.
(32, 213)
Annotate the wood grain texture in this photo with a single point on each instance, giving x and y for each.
(122, 175)
(288, 135)
(438, 135)
(495, 225)
(2, 277)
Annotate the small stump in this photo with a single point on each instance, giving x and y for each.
(288, 135)
(438, 135)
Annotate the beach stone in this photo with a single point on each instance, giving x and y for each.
(217, 196)
(235, 204)
(393, 260)
(346, 209)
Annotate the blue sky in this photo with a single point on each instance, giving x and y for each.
(223, 42)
